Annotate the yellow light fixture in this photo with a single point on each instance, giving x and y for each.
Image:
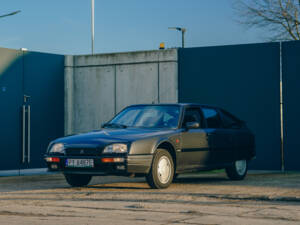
(162, 45)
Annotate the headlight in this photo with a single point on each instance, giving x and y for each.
(115, 148)
(57, 148)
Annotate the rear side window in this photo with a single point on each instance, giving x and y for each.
(212, 118)
(229, 121)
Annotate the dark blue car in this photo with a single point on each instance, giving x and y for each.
(158, 142)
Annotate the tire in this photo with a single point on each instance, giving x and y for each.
(238, 170)
(78, 180)
(162, 170)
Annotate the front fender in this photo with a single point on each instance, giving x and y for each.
(143, 147)
(149, 145)
(164, 140)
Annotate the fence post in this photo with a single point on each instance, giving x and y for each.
(281, 111)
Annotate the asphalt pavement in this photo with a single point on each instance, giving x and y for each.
(202, 198)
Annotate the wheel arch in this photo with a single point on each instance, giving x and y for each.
(165, 144)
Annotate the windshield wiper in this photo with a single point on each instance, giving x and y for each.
(114, 125)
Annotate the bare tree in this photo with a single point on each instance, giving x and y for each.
(279, 17)
(10, 14)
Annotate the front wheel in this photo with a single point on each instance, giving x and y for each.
(238, 170)
(78, 180)
(162, 170)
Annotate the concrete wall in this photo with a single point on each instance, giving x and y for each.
(99, 86)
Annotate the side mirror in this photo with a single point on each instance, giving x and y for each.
(192, 125)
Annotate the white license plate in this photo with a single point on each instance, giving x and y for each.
(81, 163)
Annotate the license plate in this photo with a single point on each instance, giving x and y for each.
(81, 163)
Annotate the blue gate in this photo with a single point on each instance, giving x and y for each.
(291, 106)
(243, 79)
(32, 106)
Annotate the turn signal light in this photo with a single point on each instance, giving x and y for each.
(53, 159)
(107, 160)
(112, 160)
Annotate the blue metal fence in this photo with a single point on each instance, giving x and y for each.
(291, 103)
(243, 79)
(32, 106)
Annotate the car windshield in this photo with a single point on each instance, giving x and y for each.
(147, 117)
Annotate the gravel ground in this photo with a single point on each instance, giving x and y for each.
(203, 198)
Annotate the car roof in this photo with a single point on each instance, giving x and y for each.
(176, 104)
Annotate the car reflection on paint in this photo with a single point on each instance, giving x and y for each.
(158, 142)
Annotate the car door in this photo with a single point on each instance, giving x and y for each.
(194, 146)
(220, 139)
(242, 138)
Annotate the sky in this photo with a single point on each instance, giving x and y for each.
(64, 26)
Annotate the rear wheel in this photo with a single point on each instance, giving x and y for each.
(78, 180)
(238, 170)
(162, 170)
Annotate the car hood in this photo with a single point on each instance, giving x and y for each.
(104, 137)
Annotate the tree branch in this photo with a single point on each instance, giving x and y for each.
(280, 17)
(285, 17)
(297, 24)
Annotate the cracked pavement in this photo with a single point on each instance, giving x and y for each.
(202, 198)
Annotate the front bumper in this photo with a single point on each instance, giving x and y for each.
(132, 164)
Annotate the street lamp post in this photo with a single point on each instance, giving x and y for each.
(182, 30)
(93, 24)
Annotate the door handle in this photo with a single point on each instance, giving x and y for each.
(26, 97)
(28, 133)
(23, 132)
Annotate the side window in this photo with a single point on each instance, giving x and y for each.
(192, 115)
(229, 121)
(212, 118)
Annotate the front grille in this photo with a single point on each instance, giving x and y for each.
(82, 151)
